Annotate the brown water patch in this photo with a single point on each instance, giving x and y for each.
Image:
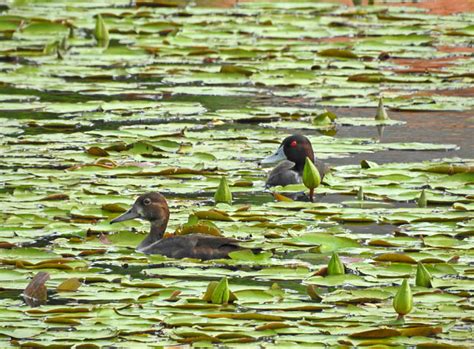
(439, 7)
(464, 92)
(416, 65)
(455, 49)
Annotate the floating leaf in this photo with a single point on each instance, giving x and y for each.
(69, 285)
(324, 119)
(249, 256)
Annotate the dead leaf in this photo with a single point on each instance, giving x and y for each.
(395, 257)
(69, 285)
(97, 151)
(36, 293)
(104, 239)
(377, 333)
(54, 197)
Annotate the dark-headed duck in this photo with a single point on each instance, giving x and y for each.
(154, 208)
(291, 155)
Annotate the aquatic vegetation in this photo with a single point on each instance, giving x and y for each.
(403, 300)
(102, 102)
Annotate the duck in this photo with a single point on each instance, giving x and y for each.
(153, 208)
(291, 156)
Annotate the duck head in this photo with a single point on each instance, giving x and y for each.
(153, 208)
(294, 148)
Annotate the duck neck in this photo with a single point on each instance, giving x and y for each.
(299, 164)
(157, 231)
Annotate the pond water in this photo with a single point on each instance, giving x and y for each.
(163, 95)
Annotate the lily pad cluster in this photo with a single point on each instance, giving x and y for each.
(103, 102)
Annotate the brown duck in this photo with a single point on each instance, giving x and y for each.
(154, 208)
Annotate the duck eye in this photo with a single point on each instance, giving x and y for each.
(146, 201)
(293, 144)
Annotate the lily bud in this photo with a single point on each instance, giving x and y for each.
(381, 112)
(223, 193)
(403, 301)
(101, 32)
(221, 293)
(360, 194)
(423, 276)
(422, 201)
(335, 266)
(311, 177)
(209, 291)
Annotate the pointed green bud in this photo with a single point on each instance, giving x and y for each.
(221, 293)
(423, 276)
(223, 193)
(209, 291)
(360, 194)
(311, 176)
(403, 301)
(335, 266)
(381, 112)
(422, 201)
(101, 32)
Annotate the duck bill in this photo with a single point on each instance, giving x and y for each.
(130, 214)
(277, 157)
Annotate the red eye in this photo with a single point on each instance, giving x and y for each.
(293, 144)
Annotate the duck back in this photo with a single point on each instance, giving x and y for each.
(198, 246)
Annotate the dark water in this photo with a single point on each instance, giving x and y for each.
(425, 127)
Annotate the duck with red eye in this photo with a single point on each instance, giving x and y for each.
(153, 208)
(291, 156)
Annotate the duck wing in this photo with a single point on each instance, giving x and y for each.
(198, 246)
(283, 174)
